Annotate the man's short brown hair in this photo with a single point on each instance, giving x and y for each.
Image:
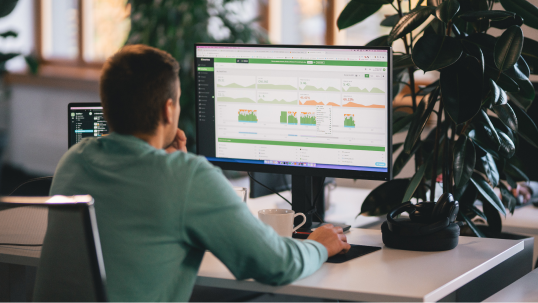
(135, 84)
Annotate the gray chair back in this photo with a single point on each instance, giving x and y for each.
(71, 266)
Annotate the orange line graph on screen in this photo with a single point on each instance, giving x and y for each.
(308, 99)
(348, 101)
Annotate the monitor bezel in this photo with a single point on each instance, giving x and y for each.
(308, 171)
(76, 104)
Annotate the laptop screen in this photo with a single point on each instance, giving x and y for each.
(85, 120)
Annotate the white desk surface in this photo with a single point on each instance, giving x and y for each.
(523, 290)
(384, 275)
(344, 205)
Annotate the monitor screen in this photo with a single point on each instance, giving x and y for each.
(309, 110)
(85, 120)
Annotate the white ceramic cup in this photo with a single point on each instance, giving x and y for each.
(281, 220)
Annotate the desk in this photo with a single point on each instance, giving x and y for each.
(523, 222)
(523, 290)
(385, 275)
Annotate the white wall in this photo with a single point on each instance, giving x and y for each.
(38, 126)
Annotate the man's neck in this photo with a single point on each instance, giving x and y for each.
(156, 139)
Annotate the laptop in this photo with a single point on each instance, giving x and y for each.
(85, 120)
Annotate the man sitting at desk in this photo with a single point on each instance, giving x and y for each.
(158, 207)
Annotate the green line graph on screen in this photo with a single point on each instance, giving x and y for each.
(364, 86)
(277, 97)
(319, 84)
(236, 81)
(236, 96)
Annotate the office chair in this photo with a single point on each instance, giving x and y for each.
(71, 266)
(36, 187)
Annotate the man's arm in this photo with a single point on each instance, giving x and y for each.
(215, 218)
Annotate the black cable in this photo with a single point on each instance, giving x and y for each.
(29, 181)
(270, 189)
(19, 244)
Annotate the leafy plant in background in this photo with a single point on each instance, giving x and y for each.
(175, 25)
(6, 7)
(480, 101)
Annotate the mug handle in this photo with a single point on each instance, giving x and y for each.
(302, 223)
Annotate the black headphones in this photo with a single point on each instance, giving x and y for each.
(430, 225)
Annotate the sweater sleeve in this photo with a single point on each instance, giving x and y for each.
(216, 219)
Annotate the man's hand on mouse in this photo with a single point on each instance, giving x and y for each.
(332, 238)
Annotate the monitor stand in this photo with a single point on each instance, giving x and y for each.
(303, 191)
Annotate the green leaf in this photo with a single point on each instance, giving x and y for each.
(508, 48)
(391, 21)
(436, 27)
(381, 41)
(505, 82)
(495, 96)
(464, 160)
(526, 10)
(396, 146)
(484, 118)
(421, 116)
(403, 61)
(461, 86)
(415, 181)
(494, 220)
(526, 89)
(9, 34)
(487, 192)
(472, 226)
(447, 10)
(508, 199)
(403, 158)
(526, 127)
(33, 64)
(523, 67)
(474, 50)
(506, 23)
(7, 7)
(7, 56)
(384, 198)
(409, 22)
(530, 48)
(490, 15)
(476, 211)
(400, 121)
(507, 116)
(355, 12)
(489, 168)
(507, 148)
(432, 52)
(515, 173)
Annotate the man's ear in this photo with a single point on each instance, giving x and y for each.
(168, 111)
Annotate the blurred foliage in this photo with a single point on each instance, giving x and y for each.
(175, 25)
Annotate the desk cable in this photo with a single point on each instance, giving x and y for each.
(312, 211)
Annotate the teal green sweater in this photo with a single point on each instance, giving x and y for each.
(157, 213)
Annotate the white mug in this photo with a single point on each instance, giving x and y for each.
(281, 220)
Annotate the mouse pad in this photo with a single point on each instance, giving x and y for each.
(354, 252)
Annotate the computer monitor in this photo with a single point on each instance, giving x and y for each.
(308, 111)
(85, 120)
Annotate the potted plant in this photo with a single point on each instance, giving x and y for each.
(480, 101)
(175, 25)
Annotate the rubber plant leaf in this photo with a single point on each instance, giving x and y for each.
(508, 48)
(523, 8)
(433, 52)
(410, 22)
